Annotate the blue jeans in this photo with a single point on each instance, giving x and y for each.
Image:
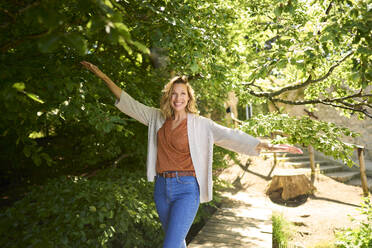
(177, 201)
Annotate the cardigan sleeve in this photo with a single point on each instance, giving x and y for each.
(234, 139)
(135, 109)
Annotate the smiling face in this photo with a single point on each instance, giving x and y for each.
(179, 97)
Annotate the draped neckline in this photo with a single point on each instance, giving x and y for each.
(179, 124)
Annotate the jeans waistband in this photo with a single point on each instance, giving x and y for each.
(170, 174)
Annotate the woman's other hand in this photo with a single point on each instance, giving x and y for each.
(279, 148)
(285, 148)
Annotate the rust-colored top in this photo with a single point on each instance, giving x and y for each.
(173, 148)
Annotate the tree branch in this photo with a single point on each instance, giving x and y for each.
(331, 102)
(363, 111)
(339, 99)
(332, 68)
(5, 47)
(305, 83)
(275, 106)
(329, 7)
(14, 16)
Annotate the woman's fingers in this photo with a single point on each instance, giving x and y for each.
(86, 64)
(296, 150)
(288, 148)
(293, 149)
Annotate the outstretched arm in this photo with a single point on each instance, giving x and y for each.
(239, 141)
(234, 139)
(124, 102)
(112, 86)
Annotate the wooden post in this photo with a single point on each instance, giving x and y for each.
(362, 167)
(312, 163)
(272, 168)
(275, 159)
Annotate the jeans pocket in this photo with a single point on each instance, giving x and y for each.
(186, 180)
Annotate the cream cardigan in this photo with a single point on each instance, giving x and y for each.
(202, 134)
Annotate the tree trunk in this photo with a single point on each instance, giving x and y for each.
(290, 186)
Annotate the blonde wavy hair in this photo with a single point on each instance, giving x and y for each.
(165, 102)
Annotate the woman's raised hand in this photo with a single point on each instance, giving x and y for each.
(112, 86)
(93, 69)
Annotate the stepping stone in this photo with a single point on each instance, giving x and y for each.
(292, 159)
(305, 164)
(358, 182)
(283, 154)
(343, 176)
(295, 171)
(329, 168)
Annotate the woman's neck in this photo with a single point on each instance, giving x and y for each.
(179, 116)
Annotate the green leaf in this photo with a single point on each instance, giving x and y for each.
(36, 159)
(124, 44)
(368, 74)
(194, 67)
(141, 47)
(355, 76)
(278, 11)
(123, 30)
(77, 42)
(49, 43)
(34, 97)
(20, 86)
(27, 151)
(282, 63)
(92, 209)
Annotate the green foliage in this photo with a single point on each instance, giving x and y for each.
(46, 92)
(282, 230)
(323, 136)
(220, 160)
(243, 46)
(360, 237)
(114, 209)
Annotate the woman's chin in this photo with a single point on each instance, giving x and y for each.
(179, 109)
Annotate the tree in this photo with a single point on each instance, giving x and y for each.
(320, 48)
(56, 114)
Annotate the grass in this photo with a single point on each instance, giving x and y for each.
(324, 244)
(282, 230)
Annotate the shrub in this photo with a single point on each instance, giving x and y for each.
(114, 209)
(360, 237)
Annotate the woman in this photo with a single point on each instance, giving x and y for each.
(180, 149)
